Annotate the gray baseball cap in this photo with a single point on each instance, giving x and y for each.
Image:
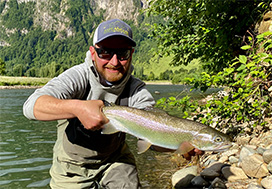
(111, 28)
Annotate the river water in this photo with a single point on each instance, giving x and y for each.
(26, 145)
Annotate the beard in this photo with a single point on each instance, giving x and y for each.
(113, 74)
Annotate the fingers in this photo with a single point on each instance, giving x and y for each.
(193, 152)
(91, 115)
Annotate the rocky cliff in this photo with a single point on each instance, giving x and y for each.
(52, 14)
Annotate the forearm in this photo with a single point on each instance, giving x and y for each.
(49, 108)
(89, 112)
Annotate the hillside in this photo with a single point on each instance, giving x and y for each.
(42, 38)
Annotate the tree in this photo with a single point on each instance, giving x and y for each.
(206, 29)
(2, 67)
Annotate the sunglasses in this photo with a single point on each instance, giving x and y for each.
(107, 54)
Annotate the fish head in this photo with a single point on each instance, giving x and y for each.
(209, 139)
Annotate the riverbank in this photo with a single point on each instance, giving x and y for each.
(7, 82)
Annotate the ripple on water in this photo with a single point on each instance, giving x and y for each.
(25, 161)
(7, 157)
(40, 183)
(19, 170)
(2, 182)
(3, 143)
(6, 153)
(42, 142)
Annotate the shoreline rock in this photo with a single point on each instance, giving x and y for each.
(244, 165)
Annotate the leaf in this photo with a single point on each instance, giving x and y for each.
(242, 67)
(246, 47)
(242, 59)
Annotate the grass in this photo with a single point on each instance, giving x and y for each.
(24, 81)
(35, 81)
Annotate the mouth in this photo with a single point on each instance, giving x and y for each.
(113, 69)
(223, 147)
(219, 148)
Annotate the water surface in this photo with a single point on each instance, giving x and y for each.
(26, 146)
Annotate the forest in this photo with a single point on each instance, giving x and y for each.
(203, 44)
(207, 32)
(40, 53)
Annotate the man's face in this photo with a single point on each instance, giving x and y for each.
(112, 57)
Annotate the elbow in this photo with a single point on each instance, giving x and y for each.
(28, 110)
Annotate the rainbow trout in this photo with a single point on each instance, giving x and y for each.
(156, 127)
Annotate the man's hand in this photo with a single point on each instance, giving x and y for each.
(89, 112)
(187, 156)
(193, 152)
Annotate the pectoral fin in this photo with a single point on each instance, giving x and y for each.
(143, 146)
(109, 129)
(184, 148)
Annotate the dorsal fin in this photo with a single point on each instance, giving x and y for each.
(106, 103)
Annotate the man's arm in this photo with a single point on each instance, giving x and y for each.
(89, 112)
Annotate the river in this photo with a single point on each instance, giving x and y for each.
(26, 145)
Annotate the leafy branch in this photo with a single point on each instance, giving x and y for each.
(248, 90)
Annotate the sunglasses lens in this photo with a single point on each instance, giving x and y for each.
(104, 54)
(122, 54)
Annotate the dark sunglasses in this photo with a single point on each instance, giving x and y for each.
(122, 54)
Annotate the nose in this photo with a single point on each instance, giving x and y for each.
(114, 60)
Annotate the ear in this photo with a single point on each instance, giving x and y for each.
(92, 50)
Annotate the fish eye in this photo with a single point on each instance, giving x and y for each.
(218, 139)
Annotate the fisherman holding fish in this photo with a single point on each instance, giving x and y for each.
(83, 156)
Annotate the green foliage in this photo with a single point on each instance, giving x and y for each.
(39, 53)
(35, 52)
(2, 67)
(19, 16)
(206, 29)
(248, 82)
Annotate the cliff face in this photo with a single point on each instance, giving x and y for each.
(122, 9)
(46, 16)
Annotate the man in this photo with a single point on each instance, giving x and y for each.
(95, 160)
(83, 157)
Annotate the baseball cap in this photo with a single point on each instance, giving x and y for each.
(113, 27)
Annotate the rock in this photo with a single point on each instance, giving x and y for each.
(267, 182)
(223, 159)
(233, 173)
(245, 152)
(267, 156)
(233, 160)
(260, 150)
(217, 183)
(254, 166)
(183, 177)
(213, 171)
(209, 160)
(199, 181)
(269, 167)
(255, 141)
(250, 146)
(254, 186)
(243, 140)
(230, 152)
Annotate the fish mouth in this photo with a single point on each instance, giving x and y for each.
(219, 148)
(223, 147)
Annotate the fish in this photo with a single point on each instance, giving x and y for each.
(156, 127)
